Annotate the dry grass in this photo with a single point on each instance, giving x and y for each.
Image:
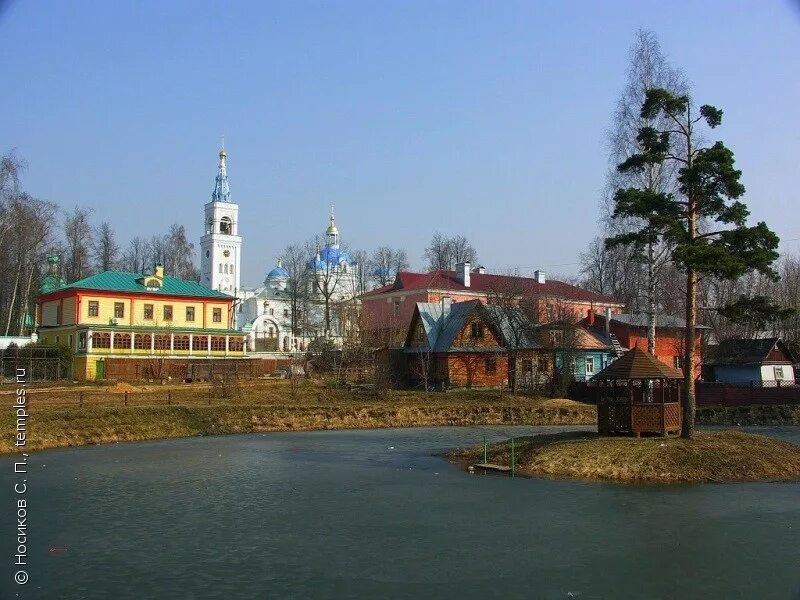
(712, 456)
(269, 407)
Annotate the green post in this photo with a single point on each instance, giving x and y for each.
(485, 458)
(513, 457)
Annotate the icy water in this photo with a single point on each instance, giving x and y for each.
(376, 514)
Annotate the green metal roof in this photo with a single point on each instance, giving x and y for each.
(117, 281)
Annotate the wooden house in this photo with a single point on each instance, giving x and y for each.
(471, 344)
(759, 361)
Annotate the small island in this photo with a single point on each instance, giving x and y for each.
(718, 456)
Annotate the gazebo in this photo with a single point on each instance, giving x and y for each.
(638, 394)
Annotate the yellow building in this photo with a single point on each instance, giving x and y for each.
(114, 315)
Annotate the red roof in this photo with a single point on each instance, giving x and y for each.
(487, 283)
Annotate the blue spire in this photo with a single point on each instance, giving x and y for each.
(222, 191)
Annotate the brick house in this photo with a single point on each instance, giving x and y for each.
(387, 311)
(629, 330)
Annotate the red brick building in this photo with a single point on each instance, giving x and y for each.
(630, 330)
(387, 311)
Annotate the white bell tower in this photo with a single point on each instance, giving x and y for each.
(221, 246)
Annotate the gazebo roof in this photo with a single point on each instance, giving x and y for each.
(637, 364)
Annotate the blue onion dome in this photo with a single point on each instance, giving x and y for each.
(278, 272)
(330, 257)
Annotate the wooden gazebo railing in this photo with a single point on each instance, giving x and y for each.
(638, 394)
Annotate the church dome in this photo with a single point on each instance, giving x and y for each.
(331, 256)
(277, 272)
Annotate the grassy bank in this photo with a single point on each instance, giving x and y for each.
(724, 456)
(52, 424)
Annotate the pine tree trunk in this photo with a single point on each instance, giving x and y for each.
(688, 367)
(651, 301)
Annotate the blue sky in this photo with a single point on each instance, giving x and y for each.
(480, 118)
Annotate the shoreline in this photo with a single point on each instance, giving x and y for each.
(727, 456)
(54, 425)
(62, 427)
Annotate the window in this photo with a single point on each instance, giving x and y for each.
(161, 342)
(190, 313)
(217, 343)
(285, 312)
(225, 269)
(122, 341)
(271, 312)
(491, 365)
(589, 365)
(225, 226)
(119, 310)
(148, 312)
(101, 340)
(573, 364)
(678, 362)
(396, 308)
(235, 344)
(142, 341)
(168, 312)
(778, 372)
(181, 342)
(556, 338)
(476, 331)
(94, 308)
(200, 342)
(216, 315)
(82, 341)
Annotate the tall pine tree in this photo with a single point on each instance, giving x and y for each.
(704, 221)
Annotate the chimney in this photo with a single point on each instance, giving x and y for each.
(480, 270)
(590, 317)
(539, 276)
(462, 273)
(158, 272)
(446, 303)
(608, 320)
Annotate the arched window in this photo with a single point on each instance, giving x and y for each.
(210, 225)
(220, 267)
(226, 226)
(225, 269)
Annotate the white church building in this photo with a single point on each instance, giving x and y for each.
(265, 312)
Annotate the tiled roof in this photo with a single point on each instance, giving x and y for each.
(488, 282)
(118, 281)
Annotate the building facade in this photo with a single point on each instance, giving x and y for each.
(138, 317)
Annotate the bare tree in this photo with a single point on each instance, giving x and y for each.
(295, 261)
(324, 278)
(78, 243)
(178, 254)
(385, 263)
(105, 248)
(134, 259)
(443, 253)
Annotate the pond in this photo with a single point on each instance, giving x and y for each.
(376, 514)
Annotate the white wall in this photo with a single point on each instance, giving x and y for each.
(7, 340)
(768, 373)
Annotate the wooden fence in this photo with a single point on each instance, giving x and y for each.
(709, 393)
